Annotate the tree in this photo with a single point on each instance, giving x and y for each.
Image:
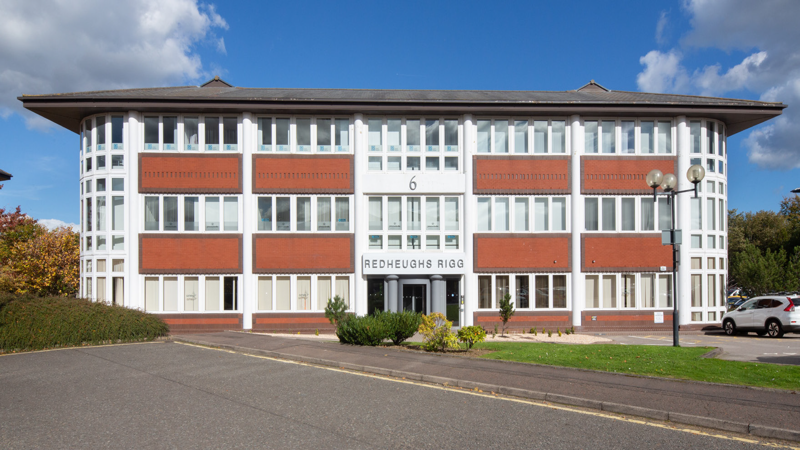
(36, 260)
(506, 310)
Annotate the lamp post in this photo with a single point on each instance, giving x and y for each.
(668, 183)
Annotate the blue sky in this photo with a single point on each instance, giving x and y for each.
(738, 49)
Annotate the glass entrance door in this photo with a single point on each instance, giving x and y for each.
(453, 300)
(415, 298)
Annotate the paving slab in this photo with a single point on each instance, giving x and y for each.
(729, 406)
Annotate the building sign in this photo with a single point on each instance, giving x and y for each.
(658, 317)
(415, 263)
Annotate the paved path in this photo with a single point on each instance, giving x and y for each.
(167, 395)
(726, 407)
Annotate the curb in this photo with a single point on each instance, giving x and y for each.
(656, 414)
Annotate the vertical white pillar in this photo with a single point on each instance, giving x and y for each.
(576, 224)
(683, 222)
(359, 216)
(248, 288)
(134, 296)
(470, 280)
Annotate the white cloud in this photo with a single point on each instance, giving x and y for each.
(52, 224)
(661, 28)
(768, 33)
(53, 46)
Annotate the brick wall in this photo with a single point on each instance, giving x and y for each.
(291, 322)
(304, 253)
(622, 174)
(624, 320)
(189, 174)
(525, 320)
(512, 253)
(190, 254)
(521, 174)
(624, 253)
(205, 323)
(303, 174)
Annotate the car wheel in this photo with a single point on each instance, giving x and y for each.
(730, 327)
(774, 329)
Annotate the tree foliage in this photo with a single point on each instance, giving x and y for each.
(35, 260)
(764, 249)
(506, 310)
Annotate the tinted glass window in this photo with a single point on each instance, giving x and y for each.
(765, 303)
(796, 301)
(776, 303)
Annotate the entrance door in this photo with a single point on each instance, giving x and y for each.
(453, 300)
(415, 298)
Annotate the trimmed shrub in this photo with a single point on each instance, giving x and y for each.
(436, 329)
(36, 323)
(362, 330)
(471, 335)
(402, 325)
(336, 310)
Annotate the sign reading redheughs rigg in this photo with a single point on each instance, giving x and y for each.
(418, 263)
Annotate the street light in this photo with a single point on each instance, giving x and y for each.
(668, 183)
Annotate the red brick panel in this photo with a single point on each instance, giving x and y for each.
(190, 254)
(190, 173)
(622, 174)
(521, 174)
(624, 253)
(303, 253)
(300, 173)
(202, 323)
(515, 253)
(525, 320)
(624, 320)
(291, 322)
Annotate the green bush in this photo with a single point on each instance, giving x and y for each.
(436, 330)
(336, 310)
(471, 335)
(402, 325)
(36, 323)
(362, 330)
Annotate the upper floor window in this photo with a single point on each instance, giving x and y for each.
(395, 144)
(302, 134)
(627, 136)
(303, 213)
(208, 213)
(414, 223)
(624, 213)
(522, 214)
(521, 136)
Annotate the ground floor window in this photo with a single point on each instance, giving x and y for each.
(300, 292)
(210, 293)
(628, 291)
(549, 290)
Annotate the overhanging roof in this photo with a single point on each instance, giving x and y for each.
(217, 96)
(5, 176)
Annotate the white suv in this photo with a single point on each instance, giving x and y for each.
(773, 315)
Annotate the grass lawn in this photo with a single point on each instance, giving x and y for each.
(670, 362)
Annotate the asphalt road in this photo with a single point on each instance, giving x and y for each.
(169, 395)
(785, 350)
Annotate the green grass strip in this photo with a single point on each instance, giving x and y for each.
(669, 362)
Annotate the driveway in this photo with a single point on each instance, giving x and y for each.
(785, 350)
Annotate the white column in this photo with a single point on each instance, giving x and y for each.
(683, 222)
(359, 216)
(576, 224)
(248, 287)
(134, 295)
(470, 280)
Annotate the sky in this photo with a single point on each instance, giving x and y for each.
(734, 48)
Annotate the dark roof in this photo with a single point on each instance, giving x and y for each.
(5, 176)
(218, 96)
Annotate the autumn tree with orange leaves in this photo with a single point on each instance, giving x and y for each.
(35, 260)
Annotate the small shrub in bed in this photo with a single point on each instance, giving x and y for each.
(362, 330)
(402, 325)
(35, 323)
(471, 335)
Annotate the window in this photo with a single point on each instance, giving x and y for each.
(522, 291)
(521, 136)
(303, 134)
(374, 134)
(484, 292)
(591, 214)
(212, 213)
(375, 213)
(342, 135)
(303, 214)
(501, 214)
(646, 137)
(230, 216)
(591, 139)
(117, 213)
(432, 213)
(212, 133)
(432, 136)
(170, 213)
(542, 296)
(151, 222)
(540, 136)
(151, 133)
(191, 213)
(697, 290)
(342, 214)
(190, 133)
(265, 134)
(191, 294)
(169, 132)
(711, 214)
(664, 214)
(437, 214)
(664, 137)
(696, 213)
(101, 132)
(521, 214)
(628, 210)
(230, 135)
(264, 214)
(282, 134)
(450, 135)
(694, 136)
(116, 132)
(540, 214)
(484, 136)
(609, 137)
(484, 214)
(601, 291)
(628, 294)
(558, 138)
(559, 213)
(413, 135)
(710, 136)
(117, 161)
(501, 136)
(101, 162)
(323, 214)
(609, 214)
(502, 288)
(283, 213)
(628, 133)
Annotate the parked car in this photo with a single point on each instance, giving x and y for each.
(736, 297)
(771, 315)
